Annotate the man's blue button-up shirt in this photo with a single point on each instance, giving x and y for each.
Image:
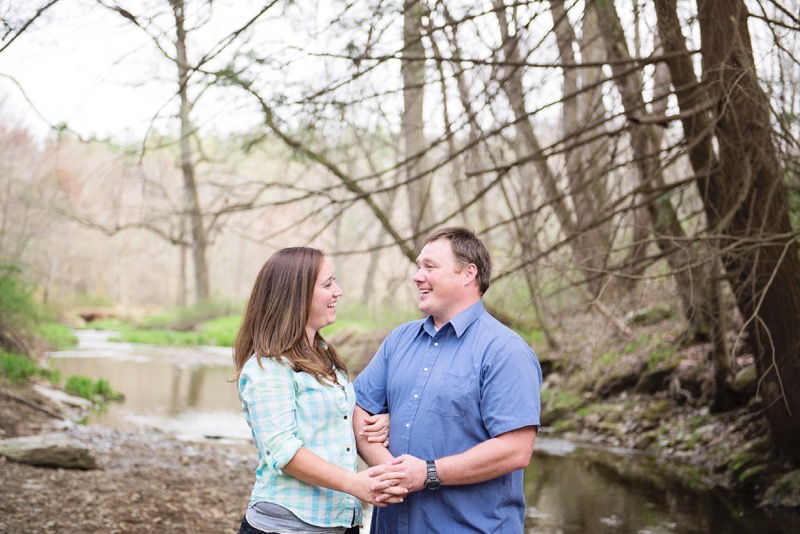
(447, 391)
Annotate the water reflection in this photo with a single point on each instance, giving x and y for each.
(573, 493)
(180, 390)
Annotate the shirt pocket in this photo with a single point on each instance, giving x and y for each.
(453, 396)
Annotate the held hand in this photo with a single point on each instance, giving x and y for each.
(376, 429)
(378, 486)
(415, 472)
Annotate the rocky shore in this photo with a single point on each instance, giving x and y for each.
(144, 481)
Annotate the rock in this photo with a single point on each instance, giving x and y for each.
(654, 380)
(649, 317)
(48, 450)
(745, 382)
(613, 384)
(784, 492)
(61, 398)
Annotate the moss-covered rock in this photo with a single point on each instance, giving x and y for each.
(653, 380)
(745, 382)
(784, 492)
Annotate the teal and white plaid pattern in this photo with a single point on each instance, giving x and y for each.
(287, 410)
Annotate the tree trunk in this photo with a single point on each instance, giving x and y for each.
(691, 275)
(192, 199)
(696, 123)
(746, 203)
(413, 70)
(588, 191)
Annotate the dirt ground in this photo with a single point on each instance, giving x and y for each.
(146, 481)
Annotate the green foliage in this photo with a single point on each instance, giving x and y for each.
(354, 316)
(97, 391)
(15, 296)
(185, 319)
(57, 335)
(163, 337)
(659, 355)
(17, 368)
(177, 327)
(222, 329)
(18, 312)
(535, 338)
(608, 358)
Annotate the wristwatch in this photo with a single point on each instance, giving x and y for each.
(433, 482)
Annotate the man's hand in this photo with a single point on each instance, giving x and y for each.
(414, 470)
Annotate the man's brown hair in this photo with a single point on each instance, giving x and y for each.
(467, 248)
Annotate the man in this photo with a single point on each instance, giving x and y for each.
(463, 394)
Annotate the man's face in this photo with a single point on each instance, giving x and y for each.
(440, 281)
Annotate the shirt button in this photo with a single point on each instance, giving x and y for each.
(345, 417)
(416, 396)
(425, 369)
(348, 449)
(408, 425)
(436, 344)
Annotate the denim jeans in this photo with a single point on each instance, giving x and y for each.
(246, 528)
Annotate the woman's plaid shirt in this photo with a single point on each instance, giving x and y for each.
(287, 410)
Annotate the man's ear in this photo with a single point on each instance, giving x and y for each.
(470, 274)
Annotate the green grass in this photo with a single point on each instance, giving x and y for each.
(97, 391)
(57, 335)
(174, 327)
(216, 332)
(185, 319)
(19, 369)
(368, 319)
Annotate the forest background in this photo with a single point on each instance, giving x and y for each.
(619, 158)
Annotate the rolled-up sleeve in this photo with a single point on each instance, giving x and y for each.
(268, 400)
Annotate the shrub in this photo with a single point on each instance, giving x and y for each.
(96, 391)
(18, 312)
(17, 368)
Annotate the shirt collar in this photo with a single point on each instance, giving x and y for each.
(460, 322)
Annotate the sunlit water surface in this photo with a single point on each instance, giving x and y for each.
(187, 392)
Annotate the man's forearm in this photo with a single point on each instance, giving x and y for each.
(490, 459)
(485, 461)
(371, 453)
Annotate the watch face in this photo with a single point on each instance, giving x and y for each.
(433, 484)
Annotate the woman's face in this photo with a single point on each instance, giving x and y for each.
(323, 302)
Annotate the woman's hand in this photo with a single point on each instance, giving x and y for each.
(378, 486)
(376, 429)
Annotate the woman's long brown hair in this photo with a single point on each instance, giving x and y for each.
(274, 322)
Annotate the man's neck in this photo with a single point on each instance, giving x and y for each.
(439, 322)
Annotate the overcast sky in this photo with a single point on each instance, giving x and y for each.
(69, 66)
(91, 69)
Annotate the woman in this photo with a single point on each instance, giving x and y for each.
(299, 402)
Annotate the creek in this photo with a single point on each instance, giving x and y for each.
(186, 392)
